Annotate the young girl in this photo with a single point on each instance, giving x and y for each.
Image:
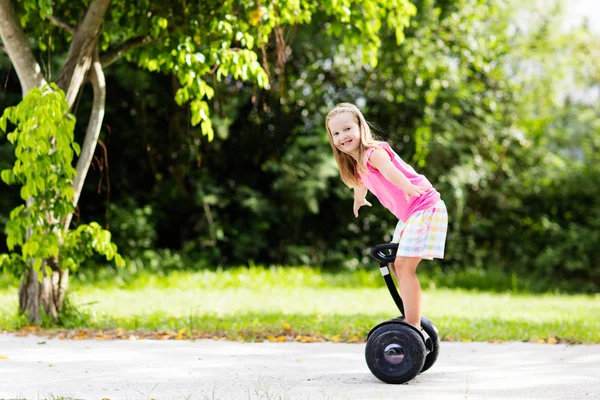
(367, 164)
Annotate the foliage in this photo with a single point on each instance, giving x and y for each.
(44, 148)
(473, 98)
(444, 101)
(451, 103)
(196, 43)
(200, 41)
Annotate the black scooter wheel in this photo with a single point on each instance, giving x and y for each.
(433, 343)
(395, 353)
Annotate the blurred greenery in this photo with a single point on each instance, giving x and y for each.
(494, 103)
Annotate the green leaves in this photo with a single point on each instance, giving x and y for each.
(225, 39)
(197, 41)
(7, 176)
(83, 242)
(42, 7)
(200, 116)
(44, 147)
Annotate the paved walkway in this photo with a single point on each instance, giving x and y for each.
(37, 368)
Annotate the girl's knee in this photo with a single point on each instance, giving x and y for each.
(401, 268)
(405, 266)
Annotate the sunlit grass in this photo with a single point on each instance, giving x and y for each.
(254, 303)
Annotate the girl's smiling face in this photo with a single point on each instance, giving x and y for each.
(345, 133)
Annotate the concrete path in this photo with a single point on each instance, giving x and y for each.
(38, 368)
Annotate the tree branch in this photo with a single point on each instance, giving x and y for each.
(62, 24)
(114, 53)
(119, 50)
(85, 39)
(93, 131)
(18, 50)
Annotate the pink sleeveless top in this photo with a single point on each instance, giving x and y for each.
(390, 195)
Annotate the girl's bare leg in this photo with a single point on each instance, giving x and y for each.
(410, 289)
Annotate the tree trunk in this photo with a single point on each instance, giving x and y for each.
(17, 47)
(84, 44)
(49, 294)
(29, 296)
(53, 291)
(92, 133)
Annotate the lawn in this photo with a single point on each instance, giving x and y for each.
(304, 304)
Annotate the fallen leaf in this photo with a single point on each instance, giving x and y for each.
(551, 340)
(306, 339)
(80, 335)
(165, 335)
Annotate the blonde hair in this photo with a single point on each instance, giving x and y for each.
(350, 166)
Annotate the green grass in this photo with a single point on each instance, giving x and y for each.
(253, 303)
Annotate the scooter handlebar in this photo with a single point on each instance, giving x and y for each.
(385, 253)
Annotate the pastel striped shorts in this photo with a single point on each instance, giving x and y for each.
(424, 234)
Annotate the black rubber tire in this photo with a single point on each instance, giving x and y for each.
(400, 336)
(433, 346)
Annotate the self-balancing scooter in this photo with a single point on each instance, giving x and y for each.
(396, 351)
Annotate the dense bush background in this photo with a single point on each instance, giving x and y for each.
(500, 115)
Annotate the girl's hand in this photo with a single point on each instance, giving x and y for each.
(358, 204)
(414, 190)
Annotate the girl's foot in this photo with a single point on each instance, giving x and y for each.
(423, 333)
